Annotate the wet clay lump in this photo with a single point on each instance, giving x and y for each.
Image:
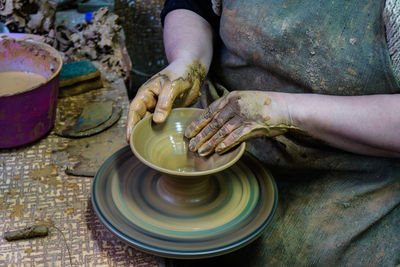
(13, 82)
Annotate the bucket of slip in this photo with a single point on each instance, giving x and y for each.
(29, 81)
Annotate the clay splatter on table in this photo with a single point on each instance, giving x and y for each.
(89, 242)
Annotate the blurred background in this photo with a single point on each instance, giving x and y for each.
(122, 37)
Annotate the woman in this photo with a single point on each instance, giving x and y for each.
(315, 93)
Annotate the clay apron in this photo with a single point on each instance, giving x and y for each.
(334, 207)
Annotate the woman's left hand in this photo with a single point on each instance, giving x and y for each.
(236, 117)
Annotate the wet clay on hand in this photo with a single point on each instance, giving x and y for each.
(164, 91)
(235, 118)
(186, 88)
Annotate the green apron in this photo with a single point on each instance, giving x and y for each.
(335, 208)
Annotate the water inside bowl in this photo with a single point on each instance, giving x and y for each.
(177, 157)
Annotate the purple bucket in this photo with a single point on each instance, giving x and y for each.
(28, 115)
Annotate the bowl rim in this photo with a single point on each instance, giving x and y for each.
(30, 39)
(241, 148)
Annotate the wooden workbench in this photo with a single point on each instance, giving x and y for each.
(34, 188)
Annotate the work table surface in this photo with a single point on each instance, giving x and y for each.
(35, 189)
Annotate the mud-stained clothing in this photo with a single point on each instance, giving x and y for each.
(335, 208)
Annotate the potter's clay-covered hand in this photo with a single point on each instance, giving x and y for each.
(236, 117)
(177, 85)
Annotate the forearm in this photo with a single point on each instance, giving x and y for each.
(188, 36)
(367, 125)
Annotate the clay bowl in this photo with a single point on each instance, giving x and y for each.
(164, 147)
(28, 115)
(186, 176)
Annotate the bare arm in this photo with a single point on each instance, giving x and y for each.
(188, 45)
(187, 35)
(367, 125)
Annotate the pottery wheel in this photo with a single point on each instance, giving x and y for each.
(150, 211)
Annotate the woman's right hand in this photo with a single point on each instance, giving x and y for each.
(177, 85)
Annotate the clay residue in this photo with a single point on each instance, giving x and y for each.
(34, 16)
(28, 251)
(46, 221)
(3, 204)
(17, 210)
(11, 193)
(90, 153)
(99, 40)
(194, 77)
(69, 210)
(48, 175)
(195, 71)
(27, 233)
(73, 186)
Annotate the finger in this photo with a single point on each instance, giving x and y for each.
(136, 111)
(154, 84)
(239, 135)
(138, 106)
(149, 92)
(198, 124)
(211, 128)
(193, 93)
(169, 93)
(149, 100)
(144, 101)
(209, 146)
(133, 118)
